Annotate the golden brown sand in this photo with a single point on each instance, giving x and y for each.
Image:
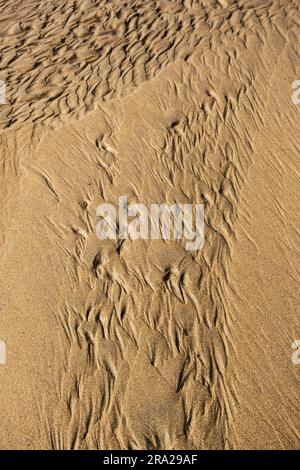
(143, 344)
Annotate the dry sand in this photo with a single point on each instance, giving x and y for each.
(143, 344)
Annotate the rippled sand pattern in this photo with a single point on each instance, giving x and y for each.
(141, 344)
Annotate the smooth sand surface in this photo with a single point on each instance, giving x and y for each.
(142, 344)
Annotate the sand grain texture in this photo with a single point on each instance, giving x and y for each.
(143, 344)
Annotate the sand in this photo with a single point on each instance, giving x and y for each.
(143, 344)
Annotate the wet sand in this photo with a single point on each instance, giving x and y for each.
(143, 344)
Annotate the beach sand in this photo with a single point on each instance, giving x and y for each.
(143, 344)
